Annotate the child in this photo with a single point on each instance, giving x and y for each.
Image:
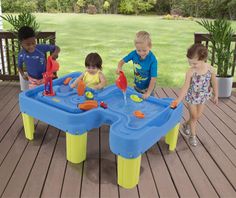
(93, 76)
(144, 64)
(197, 88)
(33, 55)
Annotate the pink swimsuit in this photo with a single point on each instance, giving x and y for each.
(200, 88)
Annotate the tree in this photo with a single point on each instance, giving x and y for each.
(136, 6)
(106, 6)
(81, 5)
(19, 5)
(51, 5)
(41, 6)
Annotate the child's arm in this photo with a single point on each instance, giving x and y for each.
(20, 66)
(25, 77)
(150, 88)
(119, 67)
(75, 83)
(56, 52)
(214, 86)
(102, 81)
(185, 87)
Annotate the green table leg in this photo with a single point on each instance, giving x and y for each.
(76, 146)
(172, 137)
(128, 171)
(28, 122)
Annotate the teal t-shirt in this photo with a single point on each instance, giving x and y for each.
(144, 69)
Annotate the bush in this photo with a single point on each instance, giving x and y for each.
(51, 6)
(91, 9)
(176, 12)
(19, 6)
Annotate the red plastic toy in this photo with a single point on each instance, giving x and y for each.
(52, 66)
(121, 81)
(103, 105)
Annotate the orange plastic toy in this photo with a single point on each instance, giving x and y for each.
(81, 88)
(89, 104)
(67, 80)
(139, 114)
(173, 105)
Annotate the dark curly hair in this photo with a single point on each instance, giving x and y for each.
(25, 32)
(93, 59)
(197, 50)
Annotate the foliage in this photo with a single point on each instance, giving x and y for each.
(195, 8)
(67, 5)
(23, 19)
(19, 5)
(51, 5)
(81, 4)
(41, 5)
(92, 9)
(136, 6)
(221, 34)
(106, 6)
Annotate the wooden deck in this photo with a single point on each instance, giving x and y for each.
(39, 168)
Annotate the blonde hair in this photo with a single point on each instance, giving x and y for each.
(143, 37)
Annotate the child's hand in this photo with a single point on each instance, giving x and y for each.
(215, 100)
(72, 85)
(25, 77)
(118, 70)
(96, 87)
(54, 55)
(146, 95)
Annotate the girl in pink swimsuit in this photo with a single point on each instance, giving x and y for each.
(200, 85)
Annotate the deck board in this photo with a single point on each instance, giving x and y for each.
(39, 168)
(214, 159)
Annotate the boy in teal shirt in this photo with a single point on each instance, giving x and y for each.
(145, 64)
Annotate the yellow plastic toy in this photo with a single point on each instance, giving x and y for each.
(89, 95)
(135, 98)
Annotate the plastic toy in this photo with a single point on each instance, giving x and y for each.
(139, 114)
(129, 137)
(89, 95)
(67, 80)
(89, 104)
(173, 105)
(52, 66)
(103, 105)
(81, 88)
(121, 82)
(135, 98)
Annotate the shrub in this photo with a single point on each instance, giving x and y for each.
(91, 9)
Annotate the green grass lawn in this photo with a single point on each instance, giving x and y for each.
(112, 37)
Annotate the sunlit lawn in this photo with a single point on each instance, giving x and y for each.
(112, 37)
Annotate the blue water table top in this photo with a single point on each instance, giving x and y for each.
(129, 136)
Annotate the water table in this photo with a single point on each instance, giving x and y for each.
(129, 136)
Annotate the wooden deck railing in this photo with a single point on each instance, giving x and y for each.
(204, 38)
(9, 49)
